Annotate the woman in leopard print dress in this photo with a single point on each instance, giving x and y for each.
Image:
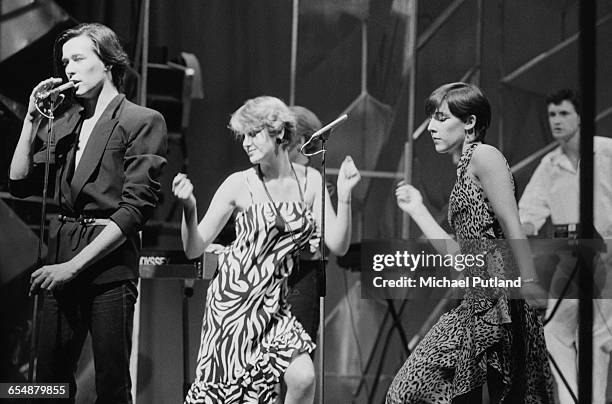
(490, 337)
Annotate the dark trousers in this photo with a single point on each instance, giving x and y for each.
(304, 296)
(106, 311)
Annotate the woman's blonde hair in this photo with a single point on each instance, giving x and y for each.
(264, 112)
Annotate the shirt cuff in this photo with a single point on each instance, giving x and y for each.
(128, 220)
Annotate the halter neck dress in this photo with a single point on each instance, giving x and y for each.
(488, 331)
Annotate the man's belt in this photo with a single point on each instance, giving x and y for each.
(566, 231)
(83, 220)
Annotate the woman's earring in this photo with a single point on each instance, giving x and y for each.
(469, 133)
(281, 137)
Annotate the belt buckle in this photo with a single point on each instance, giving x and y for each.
(566, 231)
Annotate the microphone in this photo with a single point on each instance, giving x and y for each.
(320, 132)
(329, 126)
(46, 94)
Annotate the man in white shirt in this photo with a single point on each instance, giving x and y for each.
(553, 191)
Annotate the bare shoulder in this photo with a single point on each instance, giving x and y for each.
(236, 181)
(313, 174)
(232, 190)
(313, 178)
(487, 157)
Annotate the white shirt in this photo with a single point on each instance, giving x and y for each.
(554, 190)
(86, 129)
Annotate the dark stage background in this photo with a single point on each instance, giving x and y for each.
(244, 51)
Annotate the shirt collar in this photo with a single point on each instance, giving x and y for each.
(559, 159)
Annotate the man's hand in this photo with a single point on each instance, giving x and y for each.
(52, 276)
(41, 87)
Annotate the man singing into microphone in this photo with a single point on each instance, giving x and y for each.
(105, 164)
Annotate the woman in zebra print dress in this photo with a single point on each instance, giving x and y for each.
(249, 336)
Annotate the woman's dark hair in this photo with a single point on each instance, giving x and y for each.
(307, 123)
(105, 44)
(463, 100)
(565, 94)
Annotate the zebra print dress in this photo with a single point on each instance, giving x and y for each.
(249, 335)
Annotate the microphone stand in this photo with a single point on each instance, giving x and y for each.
(321, 278)
(324, 134)
(48, 109)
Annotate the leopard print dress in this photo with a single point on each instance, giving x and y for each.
(488, 331)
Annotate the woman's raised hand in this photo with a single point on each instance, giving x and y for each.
(348, 177)
(408, 197)
(182, 188)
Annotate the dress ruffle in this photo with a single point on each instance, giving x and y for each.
(256, 382)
